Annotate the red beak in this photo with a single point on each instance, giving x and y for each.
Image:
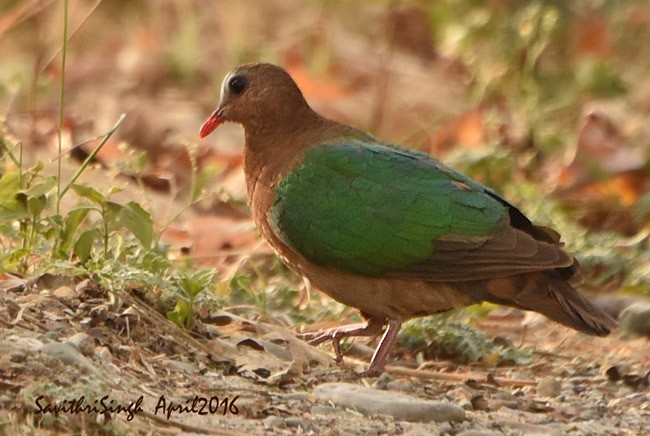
(210, 124)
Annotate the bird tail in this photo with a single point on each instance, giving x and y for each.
(566, 306)
(548, 293)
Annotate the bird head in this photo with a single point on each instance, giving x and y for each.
(256, 94)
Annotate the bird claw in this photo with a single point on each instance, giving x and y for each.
(372, 328)
(372, 371)
(315, 338)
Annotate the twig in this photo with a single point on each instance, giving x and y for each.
(442, 376)
(554, 355)
(396, 370)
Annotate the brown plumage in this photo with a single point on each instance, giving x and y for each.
(502, 258)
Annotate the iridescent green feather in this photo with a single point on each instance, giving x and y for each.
(370, 208)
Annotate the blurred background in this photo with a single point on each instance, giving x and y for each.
(547, 102)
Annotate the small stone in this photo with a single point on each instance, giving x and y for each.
(69, 355)
(83, 343)
(479, 402)
(578, 389)
(105, 355)
(402, 407)
(549, 387)
(64, 293)
(273, 422)
(382, 381)
(635, 320)
(294, 422)
(504, 396)
(83, 286)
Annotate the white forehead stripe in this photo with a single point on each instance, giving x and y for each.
(224, 84)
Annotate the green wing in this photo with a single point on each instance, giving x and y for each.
(373, 209)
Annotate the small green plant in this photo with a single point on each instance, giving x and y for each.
(114, 217)
(436, 336)
(89, 239)
(33, 227)
(189, 286)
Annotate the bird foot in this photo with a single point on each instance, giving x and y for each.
(372, 328)
(378, 362)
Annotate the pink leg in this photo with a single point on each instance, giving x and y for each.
(378, 362)
(372, 328)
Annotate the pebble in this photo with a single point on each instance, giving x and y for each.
(294, 422)
(64, 293)
(382, 381)
(504, 396)
(105, 355)
(69, 355)
(479, 402)
(549, 387)
(273, 422)
(402, 407)
(635, 320)
(82, 342)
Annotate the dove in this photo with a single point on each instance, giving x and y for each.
(390, 231)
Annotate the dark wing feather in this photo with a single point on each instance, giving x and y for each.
(508, 252)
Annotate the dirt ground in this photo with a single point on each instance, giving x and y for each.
(64, 340)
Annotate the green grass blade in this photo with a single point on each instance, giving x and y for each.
(91, 156)
(63, 59)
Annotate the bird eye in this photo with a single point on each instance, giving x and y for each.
(237, 84)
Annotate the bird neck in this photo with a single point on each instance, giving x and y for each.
(276, 142)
